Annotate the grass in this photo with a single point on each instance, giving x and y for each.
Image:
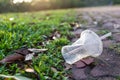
(32, 29)
(116, 47)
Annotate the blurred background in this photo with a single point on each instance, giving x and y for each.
(36, 5)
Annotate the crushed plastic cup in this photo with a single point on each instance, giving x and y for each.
(89, 44)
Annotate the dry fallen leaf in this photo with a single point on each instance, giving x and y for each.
(67, 66)
(80, 64)
(29, 56)
(55, 35)
(88, 60)
(12, 58)
(22, 54)
(15, 77)
(75, 25)
(30, 70)
(37, 50)
(54, 69)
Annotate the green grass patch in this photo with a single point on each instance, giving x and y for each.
(28, 29)
(116, 47)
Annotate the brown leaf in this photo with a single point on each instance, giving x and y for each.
(88, 60)
(80, 64)
(23, 51)
(21, 54)
(12, 58)
(18, 55)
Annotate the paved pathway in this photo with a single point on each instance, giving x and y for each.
(101, 20)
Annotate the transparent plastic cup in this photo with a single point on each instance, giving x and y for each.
(89, 44)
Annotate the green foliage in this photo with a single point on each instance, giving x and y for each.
(116, 1)
(30, 29)
(116, 47)
(102, 32)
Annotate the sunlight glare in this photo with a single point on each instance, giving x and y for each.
(20, 1)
